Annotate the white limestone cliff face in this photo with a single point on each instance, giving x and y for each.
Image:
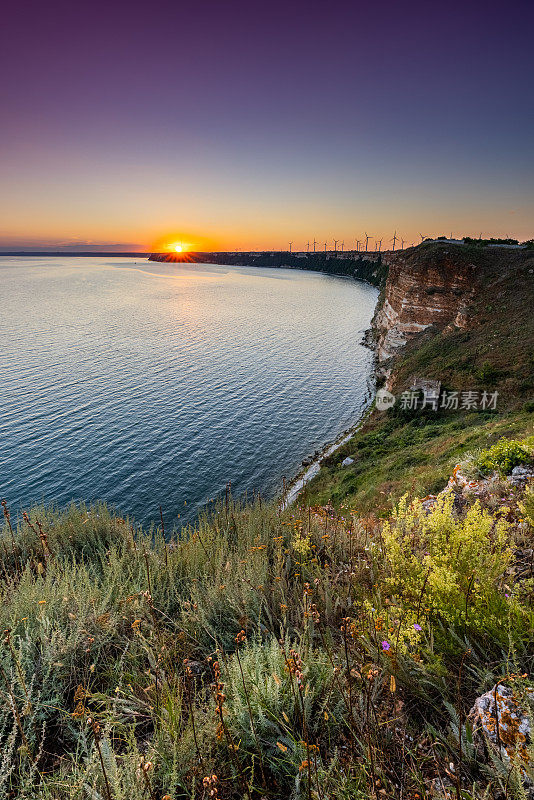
(425, 286)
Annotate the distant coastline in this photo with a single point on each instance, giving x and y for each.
(73, 254)
(365, 266)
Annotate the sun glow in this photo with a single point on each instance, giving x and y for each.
(178, 247)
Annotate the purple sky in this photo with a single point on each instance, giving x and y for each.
(232, 124)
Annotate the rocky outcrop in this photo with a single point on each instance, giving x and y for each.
(429, 285)
(501, 721)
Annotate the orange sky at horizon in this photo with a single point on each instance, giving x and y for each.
(145, 239)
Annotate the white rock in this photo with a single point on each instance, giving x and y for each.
(501, 719)
(520, 475)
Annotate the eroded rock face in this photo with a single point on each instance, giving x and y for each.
(425, 287)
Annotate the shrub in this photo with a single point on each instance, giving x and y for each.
(261, 683)
(443, 567)
(488, 374)
(503, 457)
(527, 506)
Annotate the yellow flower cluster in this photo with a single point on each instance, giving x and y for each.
(444, 566)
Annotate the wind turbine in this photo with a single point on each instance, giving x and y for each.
(402, 244)
(379, 245)
(325, 246)
(290, 246)
(357, 245)
(395, 237)
(308, 246)
(422, 237)
(335, 245)
(366, 241)
(314, 243)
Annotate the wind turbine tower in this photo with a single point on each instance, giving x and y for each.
(395, 237)
(290, 246)
(314, 243)
(366, 242)
(335, 245)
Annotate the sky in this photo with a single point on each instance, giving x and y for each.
(246, 125)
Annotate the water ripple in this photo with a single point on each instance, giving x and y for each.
(143, 386)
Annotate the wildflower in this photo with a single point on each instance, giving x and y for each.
(281, 747)
(386, 645)
(417, 627)
(241, 636)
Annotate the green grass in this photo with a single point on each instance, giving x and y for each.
(250, 648)
(392, 455)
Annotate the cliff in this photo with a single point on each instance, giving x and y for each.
(438, 285)
(453, 316)
(369, 267)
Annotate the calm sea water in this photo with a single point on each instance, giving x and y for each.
(145, 384)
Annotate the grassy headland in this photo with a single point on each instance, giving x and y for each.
(320, 652)
(417, 449)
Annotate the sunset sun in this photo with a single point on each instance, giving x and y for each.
(178, 248)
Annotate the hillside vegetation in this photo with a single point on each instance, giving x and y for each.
(404, 448)
(261, 654)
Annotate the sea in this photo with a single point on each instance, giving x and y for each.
(146, 384)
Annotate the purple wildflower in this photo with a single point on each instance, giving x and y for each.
(417, 627)
(385, 645)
